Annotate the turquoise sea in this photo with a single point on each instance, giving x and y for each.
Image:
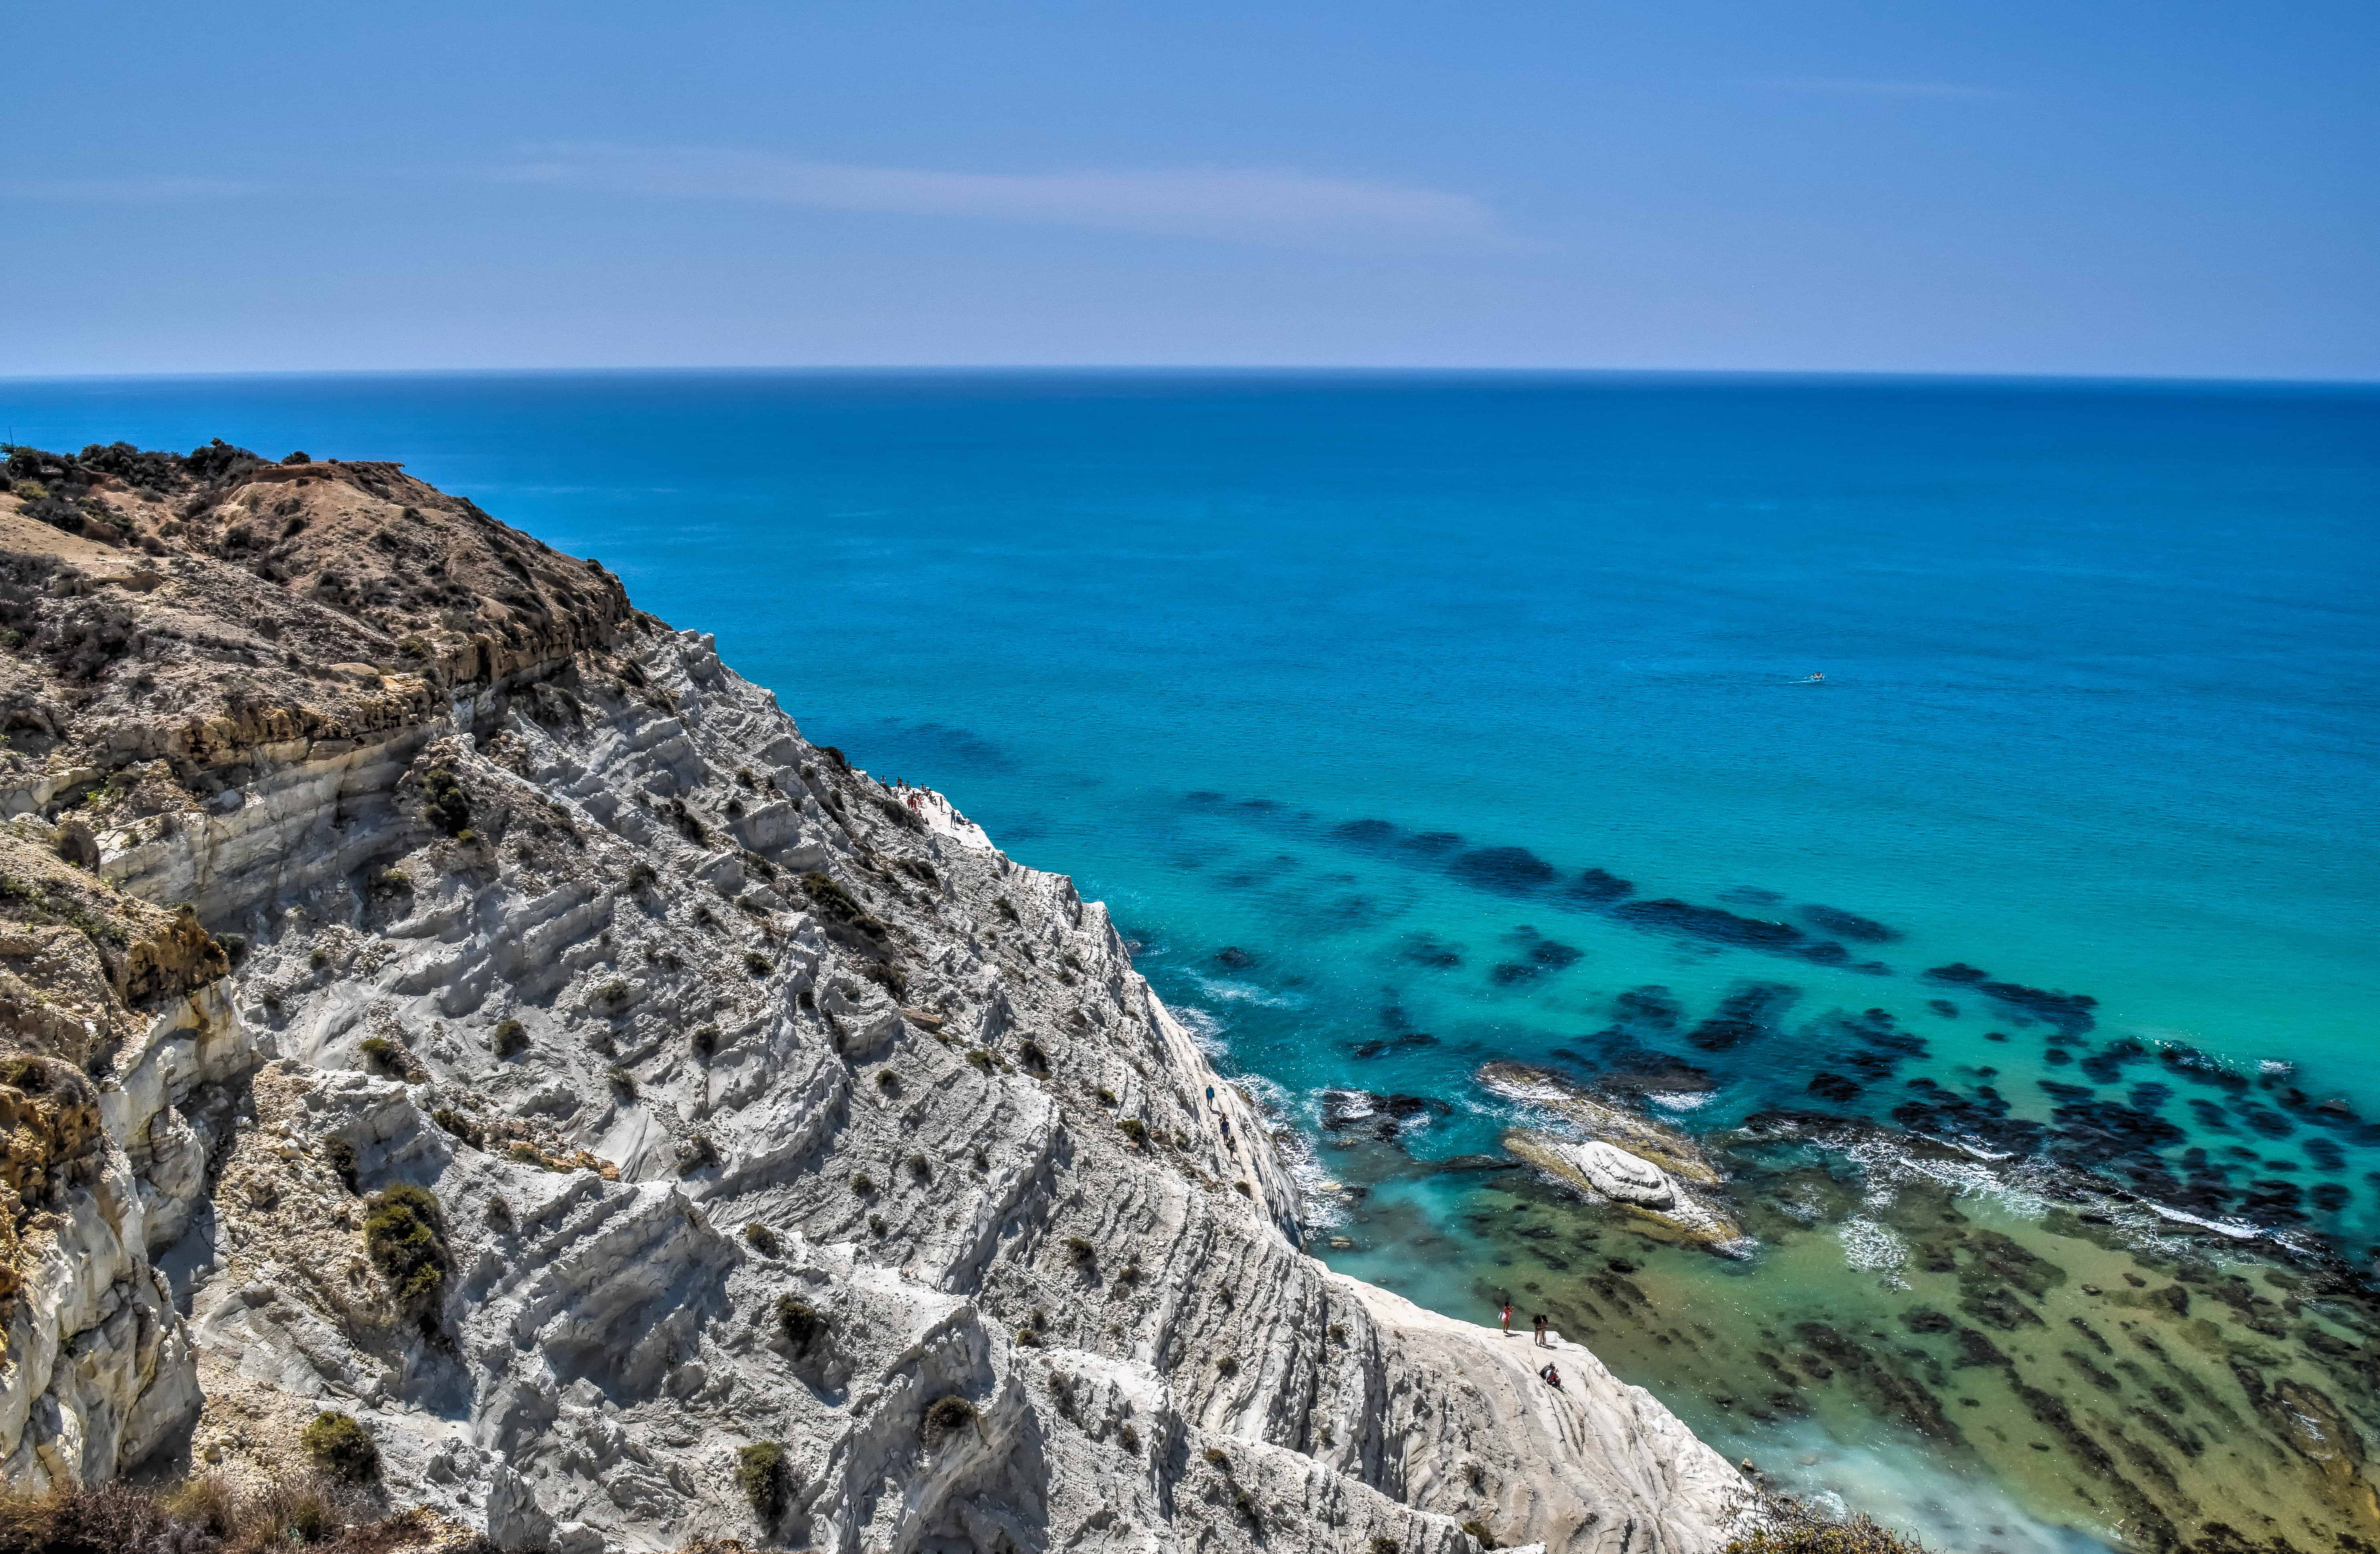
(1359, 697)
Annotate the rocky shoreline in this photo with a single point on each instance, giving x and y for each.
(438, 994)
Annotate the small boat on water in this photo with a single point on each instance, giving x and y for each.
(1811, 680)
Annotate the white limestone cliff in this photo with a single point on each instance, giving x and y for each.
(688, 1026)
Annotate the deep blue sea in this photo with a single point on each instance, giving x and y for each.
(1358, 678)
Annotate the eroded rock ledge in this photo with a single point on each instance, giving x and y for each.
(760, 1103)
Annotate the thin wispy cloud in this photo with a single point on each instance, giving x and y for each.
(1831, 87)
(1246, 205)
(130, 191)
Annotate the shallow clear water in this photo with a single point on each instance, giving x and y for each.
(1354, 676)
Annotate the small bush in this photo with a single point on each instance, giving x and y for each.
(800, 1323)
(886, 976)
(1034, 1059)
(697, 1153)
(403, 1236)
(876, 1226)
(1244, 1190)
(341, 1448)
(318, 959)
(763, 1239)
(1386, 1546)
(1338, 1333)
(622, 1081)
(614, 992)
(945, 1414)
(1218, 1459)
(706, 1043)
(761, 1474)
(920, 1169)
(862, 1184)
(206, 1503)
(512, 1037)
(392, 882)
(979, 1058)
(385, 1055)
(1007, 908)
(888, 1082)
(1134, 1129)
(462, 1127)
(1107, 1097)
(446, 805)
(641, 876)
(1129, 1438)
(291, 1512)
(1083, 1252)
(1228, 1366)
(756, 964)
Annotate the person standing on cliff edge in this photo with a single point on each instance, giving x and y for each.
(1541, 1331)
(1508, 1317)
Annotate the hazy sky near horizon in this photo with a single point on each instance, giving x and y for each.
(2019, 186)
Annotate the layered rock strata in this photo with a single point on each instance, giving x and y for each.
(761, 1105)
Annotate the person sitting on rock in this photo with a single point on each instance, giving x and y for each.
(1550, 1377)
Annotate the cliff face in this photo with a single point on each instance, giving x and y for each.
(761, 1105)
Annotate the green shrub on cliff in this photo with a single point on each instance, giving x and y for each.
(402, 1234)
(341, 1448)
(761, 1474)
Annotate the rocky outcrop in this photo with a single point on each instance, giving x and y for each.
(1655, 1173)
(761, 1105)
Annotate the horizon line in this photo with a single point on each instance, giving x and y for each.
(1197, 370)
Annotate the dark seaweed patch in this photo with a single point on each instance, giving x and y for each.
(2199, 1069)
(1669, 915)
(1233, 957)
(1752, 896)
(2071, 1012)
(1544, 956)
(1511, 871)
(1956, 972)
(1746, 1014)
(1433, 843)
(1834, 1087)
(1850, 926)
(1596, 886)
(2266, 1122)
(1364, 833)
(1651, 1008)
(2094, 1130)
(2105, 1066)
(1408, 1042)
(1944, 1007)
(1429, 949)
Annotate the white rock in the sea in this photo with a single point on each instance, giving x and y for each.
(1605, 1171)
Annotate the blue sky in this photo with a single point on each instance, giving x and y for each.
(2088, 186)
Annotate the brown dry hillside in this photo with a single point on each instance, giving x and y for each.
(192, 607)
